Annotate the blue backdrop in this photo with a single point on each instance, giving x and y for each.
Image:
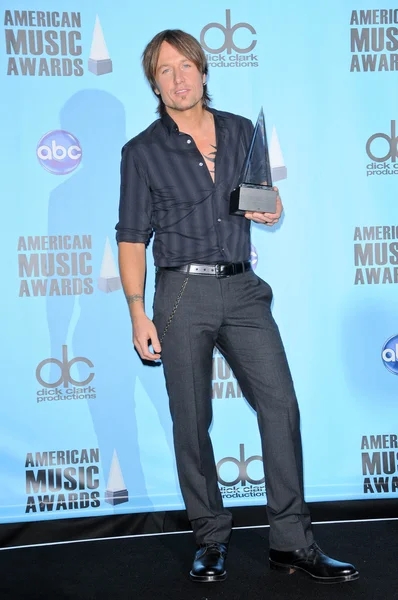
(85, 428)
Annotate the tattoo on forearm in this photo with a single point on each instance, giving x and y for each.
(134, 298)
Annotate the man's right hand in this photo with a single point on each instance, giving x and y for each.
(144, 333)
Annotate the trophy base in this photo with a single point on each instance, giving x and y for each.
(118, 497)
(256, 198)
(279, 173)
(100, 67)
(109, 284)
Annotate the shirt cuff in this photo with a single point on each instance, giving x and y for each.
(129, 235)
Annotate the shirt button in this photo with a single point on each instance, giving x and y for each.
(189, 141)
(201, 164)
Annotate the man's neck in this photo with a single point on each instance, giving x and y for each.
(190, 121)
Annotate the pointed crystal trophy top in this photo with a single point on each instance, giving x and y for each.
(109, 280)
(257, 166)
(116, 492)
(99, 61)
(115, 479)
(254, 191)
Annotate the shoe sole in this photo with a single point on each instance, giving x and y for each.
(208, 578)
(290, 569)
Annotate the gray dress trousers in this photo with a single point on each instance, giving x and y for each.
(233, 314)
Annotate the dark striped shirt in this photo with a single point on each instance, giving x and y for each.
(166, 189)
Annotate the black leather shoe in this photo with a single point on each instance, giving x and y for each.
(209, 563)
(314, 563)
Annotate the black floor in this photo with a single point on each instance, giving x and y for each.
(156, 567)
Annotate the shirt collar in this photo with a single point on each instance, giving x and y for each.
(171, 126)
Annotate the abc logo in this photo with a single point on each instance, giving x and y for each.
(241, 469)
(228, 33)
(253, 256)
(59, 152)
(392, 141)
(389, 354)
(64, 367)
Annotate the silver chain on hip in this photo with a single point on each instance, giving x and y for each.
(173, 312)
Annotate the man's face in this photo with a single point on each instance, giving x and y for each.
(178, 80)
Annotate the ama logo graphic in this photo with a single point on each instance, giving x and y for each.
(116, 492)
(99, 62)
(59, 152)
(278, 167)
(389, 354)
(109, 280)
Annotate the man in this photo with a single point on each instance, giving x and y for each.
(176, 180)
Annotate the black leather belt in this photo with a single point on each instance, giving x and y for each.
(218, 270)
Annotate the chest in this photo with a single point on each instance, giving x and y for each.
(207, 146)
(176, 168)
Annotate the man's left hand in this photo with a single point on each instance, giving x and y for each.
(267, 218)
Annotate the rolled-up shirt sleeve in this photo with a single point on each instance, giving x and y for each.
(135, 205)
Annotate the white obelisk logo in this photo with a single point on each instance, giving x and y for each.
(279, 170)
(109, 280)
(116, 492)
(99, 62)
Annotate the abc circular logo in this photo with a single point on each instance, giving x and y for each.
(59, 152)
(389, 354)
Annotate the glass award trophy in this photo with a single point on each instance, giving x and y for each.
(254, 192)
